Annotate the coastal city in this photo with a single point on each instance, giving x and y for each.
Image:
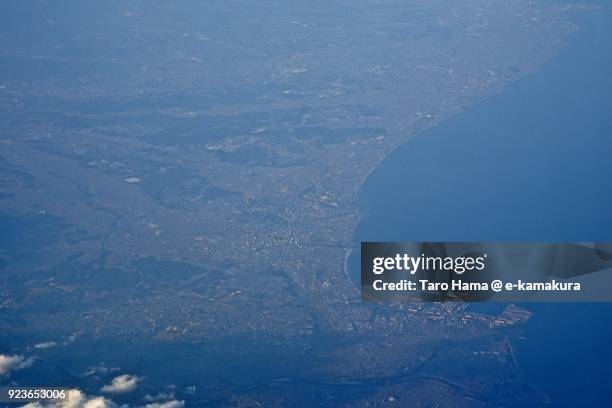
(180, 193)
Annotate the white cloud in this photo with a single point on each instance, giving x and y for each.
(10, 363)
(121, 384)
(167, 404)
(45, 345)
(163, 400)
(76, 399)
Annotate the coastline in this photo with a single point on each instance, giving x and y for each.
(348, 251)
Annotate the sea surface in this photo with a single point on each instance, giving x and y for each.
(532, 163)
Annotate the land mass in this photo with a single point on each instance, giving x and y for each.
(191, 178)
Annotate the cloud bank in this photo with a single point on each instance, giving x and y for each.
(121, 384)
(10, 363)
(76, 399)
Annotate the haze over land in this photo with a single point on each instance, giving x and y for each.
(184, 174)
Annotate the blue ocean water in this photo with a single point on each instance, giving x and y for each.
(529, 164)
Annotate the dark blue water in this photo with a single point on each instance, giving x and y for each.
(530, 164)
